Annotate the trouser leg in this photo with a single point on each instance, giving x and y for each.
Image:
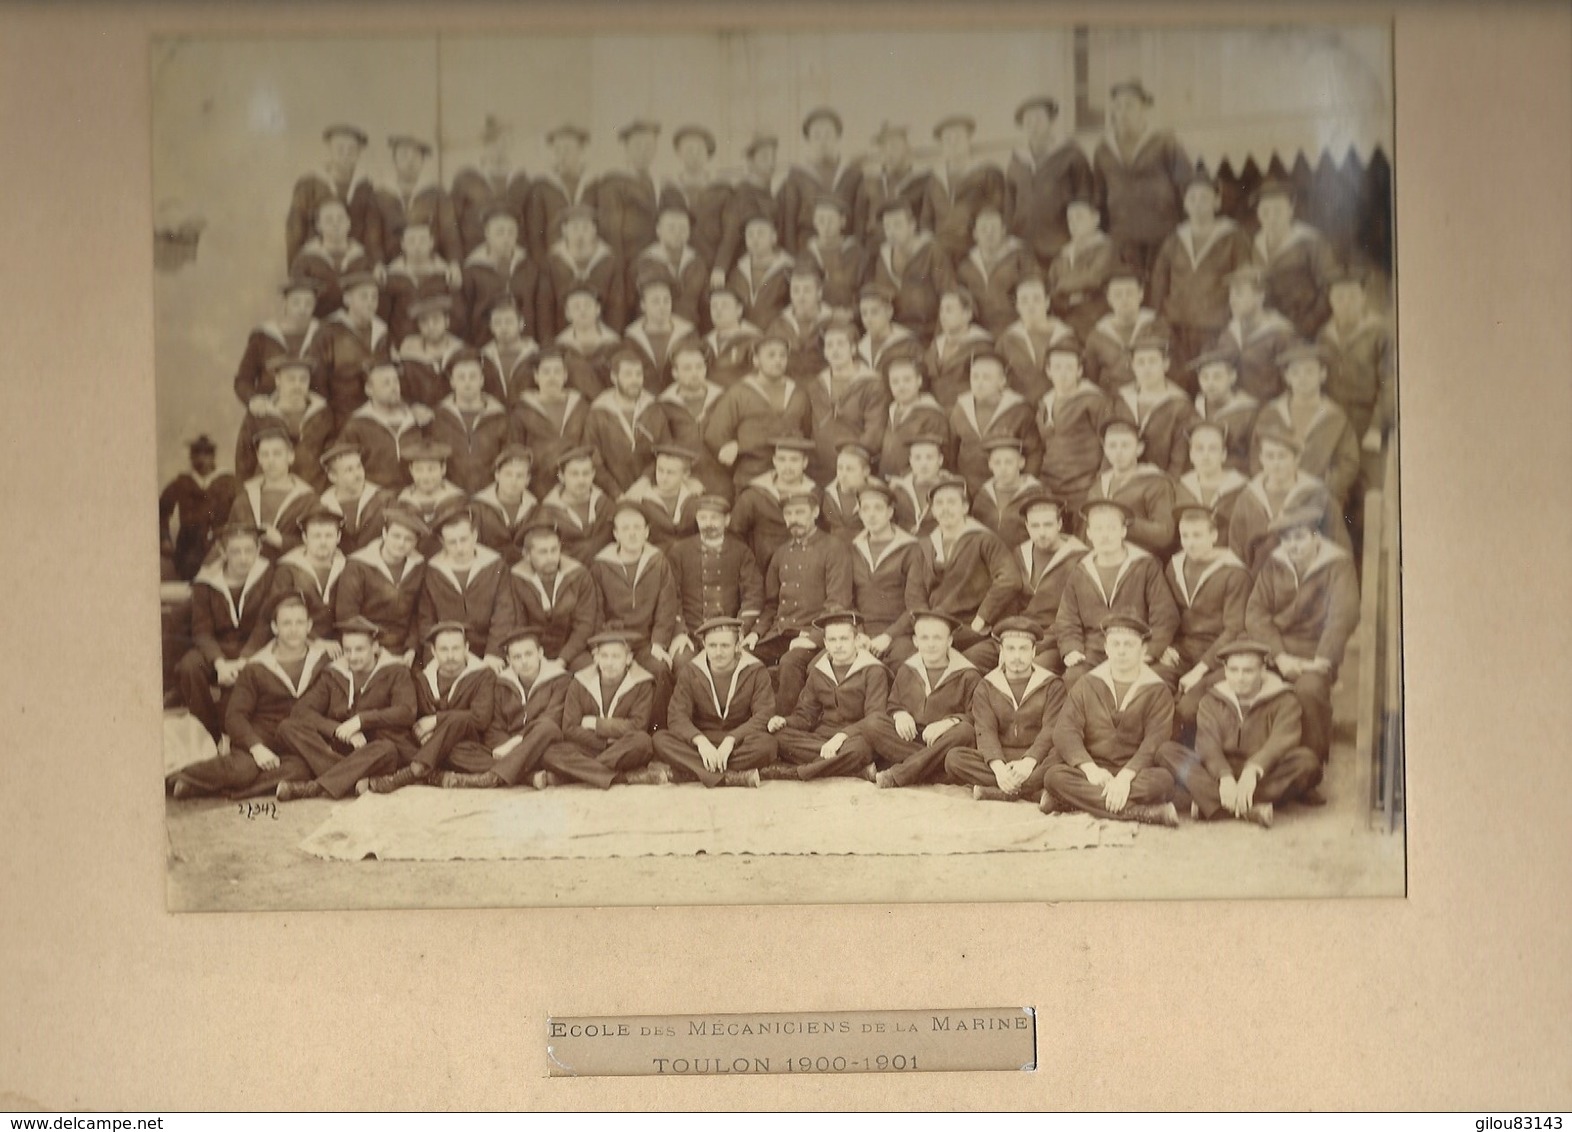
(290, 768)
(452, 729)
(663, 685)
(684, 758)
(572, 761)
(1152, 786)
(802, 747)
(966, 766)
(630, 752)
(1297, 771)
(901, 649)
(1188, 705)
(793, 676)
(522, 760)
(984, 654)
(194, 675)
(928, 763)
(335, 766)
(1191, 775)
(222, 774)
(1314, 692)
(1073, 675)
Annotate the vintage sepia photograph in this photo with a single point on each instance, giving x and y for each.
(739, 467)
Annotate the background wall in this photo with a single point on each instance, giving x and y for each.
(235, 122)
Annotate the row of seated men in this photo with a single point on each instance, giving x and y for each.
(939, 317)
(1149, 446)
(831, 209)
(930, 611)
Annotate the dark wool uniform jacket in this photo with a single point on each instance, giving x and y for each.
(566, 611)
(1037, 193)
(757, 518)
(765, 292)
(904, 424)
(1044, 589)
(992, 286)
(688, 430)
(978, 577)
(1107, 354)
(602, 273)
(829, 705)
(927, 275)
(886, 590)
(425, 204)
(857, 416)
(1236, 417)
(298, 500)
(625, 207)
(731, 354)
(1189, 285)
(368, 590)
(624, 450)
(949, 698)
(909, 186)
(657, 354)
(1010, 729)
(1123, 735)
(589, 363)
(804, 340)
(264, 696)
(525, 711)
(200, 508)
(328, 268)
(381, 439)
(473, 604)
(741, 704)
(689, 279)
(315, 187)
(1070, 426)
(1297, 275)
(1078, 280)
(1229, 737)
(1004, 519)
(1213, 613)
(486, 281)
(1165, 427)
(749, 200)
(310, 438)
(1331, 448)
(294, 574)
(496, 529)
(800, 193)
(402, 287)
(1257, 350)
(842, 267)
(629, 710)
(1221, 498)
(1310, 615)
(362, 518)
(347, 351)
(747, 413)
(1139, 590)
(669, 520)
(1012, 417)
(1149, 492)
(582, 538)
(949, 206)
(267, 342)
(1142, 196)
(506, 380)
(472, 696)
(645, 603)
(474, 192)
(549, 197)
(385, 703)
(724, 584)
(424, 380)
(472, 446)
(222, 626)
(1248, 533)
(803, 580)
(535, 427)
(948, 362)
(1359, 373)
(1026, 356)
(706, 204)
(838, 511)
